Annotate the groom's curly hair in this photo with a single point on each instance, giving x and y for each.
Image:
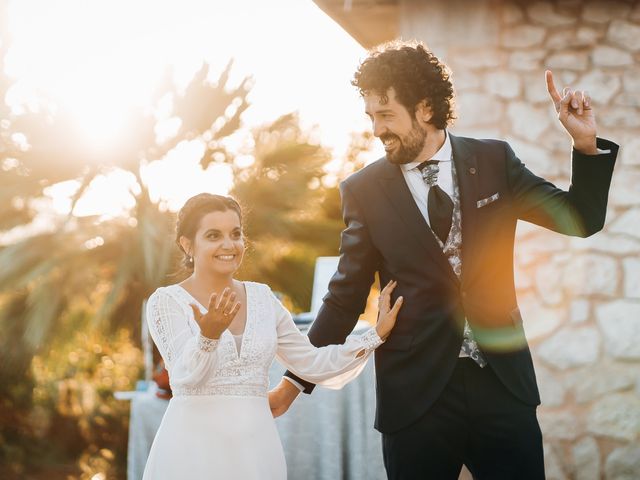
(415, 74)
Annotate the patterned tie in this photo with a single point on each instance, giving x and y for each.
(440, 209)
(439, 204)
(470, 347)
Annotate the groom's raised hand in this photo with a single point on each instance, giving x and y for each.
(576, 115)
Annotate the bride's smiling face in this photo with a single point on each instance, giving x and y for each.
(218, 244)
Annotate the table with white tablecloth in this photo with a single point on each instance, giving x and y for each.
(327, 435)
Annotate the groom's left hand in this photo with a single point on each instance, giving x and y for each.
(281, 397)
(575, 112)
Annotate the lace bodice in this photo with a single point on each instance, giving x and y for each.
(201, 366)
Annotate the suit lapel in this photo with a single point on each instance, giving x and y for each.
(395, 187)
(467, 172)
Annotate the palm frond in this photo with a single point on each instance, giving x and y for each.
(21, 259)
(124, 271)
(44, 304)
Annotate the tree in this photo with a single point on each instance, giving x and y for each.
(292, 209)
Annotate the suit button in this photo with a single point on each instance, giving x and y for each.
(464, 295)
(472, 171)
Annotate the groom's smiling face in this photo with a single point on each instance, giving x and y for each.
(402, 135)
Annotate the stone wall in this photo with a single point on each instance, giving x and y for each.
(580, 298)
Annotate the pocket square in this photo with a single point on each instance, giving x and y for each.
(488, 200)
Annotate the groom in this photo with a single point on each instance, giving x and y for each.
(455, 381)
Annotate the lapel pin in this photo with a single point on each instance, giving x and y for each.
(472, 171)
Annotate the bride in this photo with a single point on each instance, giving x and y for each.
(218, 337)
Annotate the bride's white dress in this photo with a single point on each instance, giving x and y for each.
(218, 424)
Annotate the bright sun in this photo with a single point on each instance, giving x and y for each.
(92, 57)
(100, 58)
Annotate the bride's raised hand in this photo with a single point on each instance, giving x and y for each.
(220, 314)
(387, 314)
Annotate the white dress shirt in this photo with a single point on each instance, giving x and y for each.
(418, 187)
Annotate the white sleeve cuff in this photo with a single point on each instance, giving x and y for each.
(207, 344)
(294, 383)
(371, 340)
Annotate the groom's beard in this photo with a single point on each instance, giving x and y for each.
(409, 146)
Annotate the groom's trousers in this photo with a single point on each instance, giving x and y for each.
(477, 422)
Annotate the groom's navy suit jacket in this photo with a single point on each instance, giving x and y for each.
(386, 233)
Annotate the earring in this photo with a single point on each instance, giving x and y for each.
(190, 260)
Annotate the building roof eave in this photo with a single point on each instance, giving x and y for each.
(369, 22)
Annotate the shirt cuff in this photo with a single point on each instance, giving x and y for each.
(294, 383)
(207, 344)
(603, 152)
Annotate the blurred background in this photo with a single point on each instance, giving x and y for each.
(113, 113)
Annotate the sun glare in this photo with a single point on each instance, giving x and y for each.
(89, 57)
(108, 195)
(97, 59)
(182, 163)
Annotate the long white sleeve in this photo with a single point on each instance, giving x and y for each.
(189, 357)
(331, 366)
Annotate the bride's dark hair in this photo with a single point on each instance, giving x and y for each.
(192, 212)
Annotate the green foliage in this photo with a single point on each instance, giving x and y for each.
(286, 220)
(70, 398)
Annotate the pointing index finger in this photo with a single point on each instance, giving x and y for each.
(551, 87)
